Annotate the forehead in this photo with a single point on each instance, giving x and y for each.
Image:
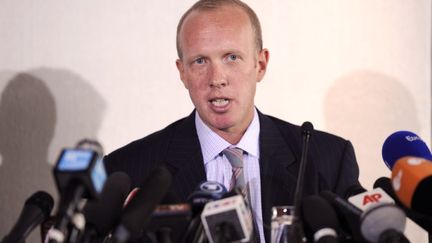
(223, 18)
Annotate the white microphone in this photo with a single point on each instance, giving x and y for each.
(381, 218)
(227, 220)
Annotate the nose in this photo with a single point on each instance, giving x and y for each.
(217, 77)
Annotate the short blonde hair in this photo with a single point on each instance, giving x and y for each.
(209, 5)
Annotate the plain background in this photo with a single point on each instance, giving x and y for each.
(105, 69)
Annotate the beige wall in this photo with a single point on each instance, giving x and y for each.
(106, 69)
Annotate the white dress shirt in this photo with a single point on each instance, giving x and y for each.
(219, 169)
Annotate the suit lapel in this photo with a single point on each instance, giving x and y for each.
(278, 170)
(184, 159)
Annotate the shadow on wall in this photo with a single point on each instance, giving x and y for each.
(366, 107)
(41, 112)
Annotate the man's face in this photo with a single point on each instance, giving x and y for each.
(221, 66)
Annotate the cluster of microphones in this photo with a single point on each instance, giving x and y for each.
(379, 215)
(95, 208)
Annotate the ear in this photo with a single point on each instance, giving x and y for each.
(180, 68)
(263, 59)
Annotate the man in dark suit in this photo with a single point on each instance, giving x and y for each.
(221, 59)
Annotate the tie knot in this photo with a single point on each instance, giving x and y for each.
(234, 156)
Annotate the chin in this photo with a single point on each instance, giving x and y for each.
(223, 126)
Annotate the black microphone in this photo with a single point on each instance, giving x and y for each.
(79, 173)
(136, 215)
(320, 220)
(169, 222)
(103, 214)
(348, 215)
(422, 220)
(296, 232)
(37, 209)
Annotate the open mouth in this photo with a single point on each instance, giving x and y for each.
(219, 102)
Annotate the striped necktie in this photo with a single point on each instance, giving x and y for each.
(235, 157)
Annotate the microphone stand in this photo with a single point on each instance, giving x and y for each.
(296, 234)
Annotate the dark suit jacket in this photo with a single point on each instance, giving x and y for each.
(331, 161)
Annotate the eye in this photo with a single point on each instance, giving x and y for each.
(199, 60)
(232, 57)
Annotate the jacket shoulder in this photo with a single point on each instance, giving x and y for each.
(289, 130)
(332, 156)
(144, 153)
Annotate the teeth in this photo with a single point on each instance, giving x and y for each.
(219, 102)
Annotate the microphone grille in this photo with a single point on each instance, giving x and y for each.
(307, 128)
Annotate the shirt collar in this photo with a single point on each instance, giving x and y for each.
(212, 144)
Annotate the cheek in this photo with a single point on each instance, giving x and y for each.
(196, 79)
(248, 88)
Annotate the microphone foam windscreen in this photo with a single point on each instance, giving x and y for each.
(42, 200)
(137, 213)
(307, 128)
(385, 184)
(104, 213)
(319, 216)
(412, 183)
(401, 144)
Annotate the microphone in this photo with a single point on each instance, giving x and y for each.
(296, 231)
(103, 214)
(367, 200)
(320, 220)
(37, 209)
(205, 192)
(412, 182)
(397, 146)
(136, 215)
(422, 220)
(169, 222)
(79, 173)
(348, 216)
(228, 219)
(401, 144)
(384, 223)
(376, 224)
